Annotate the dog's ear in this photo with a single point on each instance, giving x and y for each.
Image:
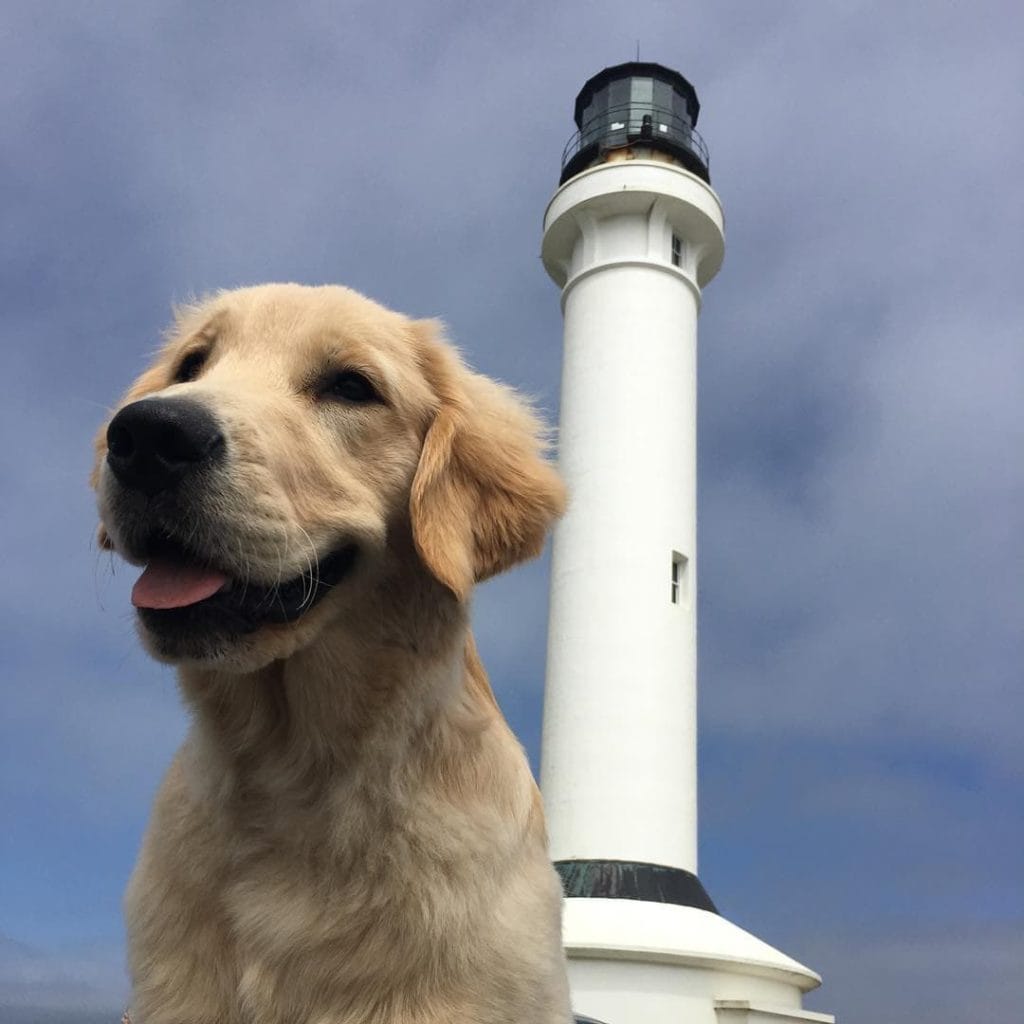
(484, 496)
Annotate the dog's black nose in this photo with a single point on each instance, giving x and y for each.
(153, 444)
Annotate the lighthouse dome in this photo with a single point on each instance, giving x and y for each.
(636, 110)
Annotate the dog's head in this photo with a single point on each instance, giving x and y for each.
(286, 448)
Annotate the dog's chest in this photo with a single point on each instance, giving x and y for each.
(349, 939)
(350, 881)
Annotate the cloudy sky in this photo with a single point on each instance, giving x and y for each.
(861, 426)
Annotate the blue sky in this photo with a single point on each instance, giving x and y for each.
(861, 424)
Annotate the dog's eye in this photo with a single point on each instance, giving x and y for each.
(190, 367)
(350, 386)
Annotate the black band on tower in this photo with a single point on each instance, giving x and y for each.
(630, 880)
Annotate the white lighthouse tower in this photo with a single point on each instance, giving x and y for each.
(632, 235)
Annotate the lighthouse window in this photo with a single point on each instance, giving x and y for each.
(642, 91)
(616, 106)
(618, 93)
(641, 104)
(678, 577)
(677, 251)
(663, 99)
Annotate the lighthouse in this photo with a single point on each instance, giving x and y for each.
(632, 236)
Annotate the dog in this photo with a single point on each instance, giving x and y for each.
(350, 833)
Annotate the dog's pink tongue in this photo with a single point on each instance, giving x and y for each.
(173, 585)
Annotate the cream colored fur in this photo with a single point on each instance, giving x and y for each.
(350, 833)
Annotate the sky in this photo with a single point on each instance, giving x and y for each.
(861, 423)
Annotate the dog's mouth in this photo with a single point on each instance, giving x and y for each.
(179, 589)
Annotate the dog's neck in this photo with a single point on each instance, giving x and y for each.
(374, 685)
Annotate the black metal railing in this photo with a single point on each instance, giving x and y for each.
(636, 124)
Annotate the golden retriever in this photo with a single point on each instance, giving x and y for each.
(350, 832)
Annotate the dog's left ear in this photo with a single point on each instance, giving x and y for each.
(484, 496)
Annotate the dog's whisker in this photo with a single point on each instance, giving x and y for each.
(246, 574)
(282, 557)
(280, 572)
(314, 574)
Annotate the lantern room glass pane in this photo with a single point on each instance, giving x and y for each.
(641, 99)
(681, 106)
(594, 122)
(663, 97)
(618, 94)
(642, 90)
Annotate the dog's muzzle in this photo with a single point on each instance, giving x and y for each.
(195, 594)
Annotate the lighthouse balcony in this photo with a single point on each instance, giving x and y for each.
(640, 129)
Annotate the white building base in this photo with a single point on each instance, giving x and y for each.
(741, 1011)
(633, 962)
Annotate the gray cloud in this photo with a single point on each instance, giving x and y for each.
(904, 983)
(69, 986)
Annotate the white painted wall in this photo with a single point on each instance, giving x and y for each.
(619, 746)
